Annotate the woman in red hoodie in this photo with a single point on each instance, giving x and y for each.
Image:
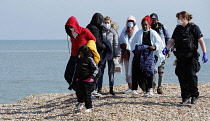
(78, 36)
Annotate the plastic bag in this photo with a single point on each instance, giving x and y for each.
(118, 67)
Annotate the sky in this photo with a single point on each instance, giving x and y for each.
(45, 19)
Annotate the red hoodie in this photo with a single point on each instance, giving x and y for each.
(84, 35)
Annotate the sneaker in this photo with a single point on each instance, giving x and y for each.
(88, 110)
(80, 106)
(159, 91)
(147, 94)
(94, 93)
(185, 101)
(128, 91)
(135, 93)
(151, 92)
(194, 100)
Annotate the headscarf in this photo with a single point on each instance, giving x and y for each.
(148, 19)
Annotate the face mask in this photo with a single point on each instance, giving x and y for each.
(108, 26)
(179, 22)
(79, 56)
(146, 30)
(71, 29)
(154, 25)
(130, 24)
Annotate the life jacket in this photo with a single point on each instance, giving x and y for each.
(185, 43)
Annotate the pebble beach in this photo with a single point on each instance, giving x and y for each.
(122, 107)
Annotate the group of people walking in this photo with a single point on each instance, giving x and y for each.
(142, 52)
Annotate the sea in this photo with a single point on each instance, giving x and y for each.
(37, 67)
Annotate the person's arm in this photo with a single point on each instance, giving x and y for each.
(170, 44)
(167, 35)
(202, 44)
(203, 47)
(115, 44)
(94, 68)
(166, 50)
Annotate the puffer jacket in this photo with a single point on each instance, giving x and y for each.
(110, 38)
(147, 59)
(84, 35)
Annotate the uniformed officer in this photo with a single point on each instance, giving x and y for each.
(185, 39)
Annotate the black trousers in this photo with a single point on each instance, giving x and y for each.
(139, 77)
(70, 69)
(83, 92)
(186, 70)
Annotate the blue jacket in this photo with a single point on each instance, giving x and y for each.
(147, 59)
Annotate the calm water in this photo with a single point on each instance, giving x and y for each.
(37, 67)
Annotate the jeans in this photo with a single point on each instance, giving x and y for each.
(111, 68)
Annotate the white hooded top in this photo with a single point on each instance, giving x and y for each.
(124, 36)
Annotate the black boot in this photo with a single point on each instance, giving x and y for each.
(194, 100)
(99, 89)
(111, 91)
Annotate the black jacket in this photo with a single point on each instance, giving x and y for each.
(95, 28)
(86, 68)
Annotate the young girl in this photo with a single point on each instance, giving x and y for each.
(86, 71)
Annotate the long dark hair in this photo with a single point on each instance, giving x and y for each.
(85, 50)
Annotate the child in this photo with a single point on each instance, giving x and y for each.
(86, 71)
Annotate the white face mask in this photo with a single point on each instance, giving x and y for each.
(130, 24)
(79, 56)
(108, 26)
(73, 33)
(71, 29)
(179, 22)
(146, 30)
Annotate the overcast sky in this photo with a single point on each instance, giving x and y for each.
(45, 19)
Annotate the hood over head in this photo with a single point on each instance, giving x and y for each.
(97, 19)
(131, 18)
(72, 21)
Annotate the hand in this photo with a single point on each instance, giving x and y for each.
(165, 51)
(152, 47)
(72, 86)
(205, 58)
(169, 54)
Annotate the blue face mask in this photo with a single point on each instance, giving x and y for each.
(130, 24)
(179, 22)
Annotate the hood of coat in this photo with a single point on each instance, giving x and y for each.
(72, 21)
(97, 19)
(131, 18)
(114, 25)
